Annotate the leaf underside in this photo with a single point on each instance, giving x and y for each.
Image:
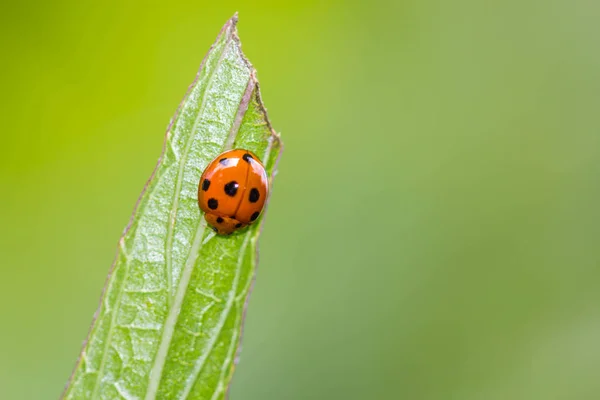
(169, 322)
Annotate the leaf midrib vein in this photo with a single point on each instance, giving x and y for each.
(161, 356)
(179, 182)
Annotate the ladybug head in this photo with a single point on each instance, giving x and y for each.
(223, 225)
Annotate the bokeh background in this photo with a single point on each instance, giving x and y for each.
(434, 228)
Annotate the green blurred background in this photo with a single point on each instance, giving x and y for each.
(434, 228)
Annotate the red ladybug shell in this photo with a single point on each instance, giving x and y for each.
(232, 191)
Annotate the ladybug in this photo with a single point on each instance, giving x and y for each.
(232, 191)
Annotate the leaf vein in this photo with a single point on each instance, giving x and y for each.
(199, 364)
(113, 321)
(169, 327)
(179, 182)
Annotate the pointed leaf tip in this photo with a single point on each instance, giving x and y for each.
(170, 317)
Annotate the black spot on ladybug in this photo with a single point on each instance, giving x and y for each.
(215, 229)
(224, 161)
(213, 204)
(219, 220)
(238, 225)
(254, 216)
(247, 157)
(231, 188)
(254, 195)
(205, 185)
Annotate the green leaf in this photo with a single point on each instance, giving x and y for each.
(169, 322)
